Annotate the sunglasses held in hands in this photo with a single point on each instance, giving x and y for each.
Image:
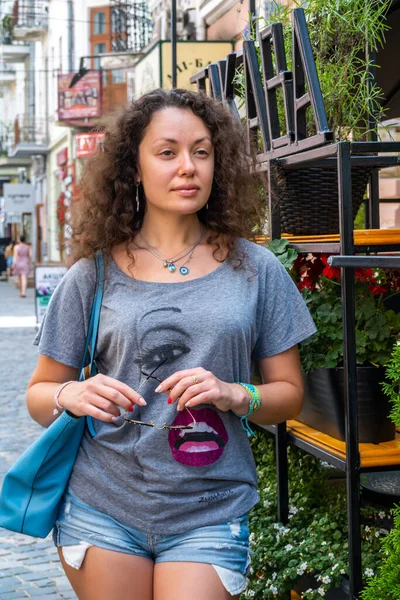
(152, 423)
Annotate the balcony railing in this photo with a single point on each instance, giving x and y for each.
(29, 130)
(7, 74)
(30, 19)
(27, 137)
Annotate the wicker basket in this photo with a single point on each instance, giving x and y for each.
(308, 198)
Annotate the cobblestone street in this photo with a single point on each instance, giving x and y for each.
(29, 568)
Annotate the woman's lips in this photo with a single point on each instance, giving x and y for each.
(187, 192)
(204, 444)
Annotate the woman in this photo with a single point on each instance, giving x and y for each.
(158, 499)
(21, 264)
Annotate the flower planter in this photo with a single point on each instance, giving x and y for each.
(324, 404)
(309, 199)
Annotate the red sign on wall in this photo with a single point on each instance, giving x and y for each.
(62, 157)
(86, 143)
(81, 101)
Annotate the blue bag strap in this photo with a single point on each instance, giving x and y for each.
(93, 329)
(91, 338)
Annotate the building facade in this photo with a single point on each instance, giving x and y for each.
(65, 64)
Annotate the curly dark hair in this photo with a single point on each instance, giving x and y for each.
(104, 213)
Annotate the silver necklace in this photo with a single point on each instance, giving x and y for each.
(170, 264)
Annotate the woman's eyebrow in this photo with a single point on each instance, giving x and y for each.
(172, 141)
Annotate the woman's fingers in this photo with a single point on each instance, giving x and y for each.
(176, 378)
(115, 396)
(188, 391)
(125, 390)
(194, 400)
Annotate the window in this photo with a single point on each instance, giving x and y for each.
(99, 25)
(118, 76)
(118, 20)
(100, 49)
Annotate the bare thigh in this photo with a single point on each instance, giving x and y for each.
(109, 575)
(184, 580)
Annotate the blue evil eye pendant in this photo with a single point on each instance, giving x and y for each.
(184, 271)
(171, 267)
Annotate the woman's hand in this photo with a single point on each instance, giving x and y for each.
(100, 397)
(198, 386)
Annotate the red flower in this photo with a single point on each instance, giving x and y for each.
(306, 282)
(378, 289)
(363, 274)
(331, 272)
(61, 210)
(328, 271)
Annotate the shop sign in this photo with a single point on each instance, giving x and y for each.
(86, 143)
(46, 280)
(18, 199)
(155, 69)
(62, 157)
(81, 101)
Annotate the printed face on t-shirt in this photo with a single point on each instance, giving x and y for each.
(163, 340)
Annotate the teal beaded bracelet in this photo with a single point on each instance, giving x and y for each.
(254, 405)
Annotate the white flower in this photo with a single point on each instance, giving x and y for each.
(376, 533)
(335, 567)
(321, 591)
(301, 568)
(274, 576)
(309, 590)
(266, 504)
(369, 572)
(288, 547)
(381, 514)
(323, 543)
(331, 555)
(252, 538)
(326, 579)
(251, 594)
(293, 510)
(367, 529)
(273, 589)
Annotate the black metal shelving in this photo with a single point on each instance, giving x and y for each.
(292, 149)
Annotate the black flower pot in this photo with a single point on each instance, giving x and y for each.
(324, 404)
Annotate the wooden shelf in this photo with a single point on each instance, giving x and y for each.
(362, 237)
(386, 454)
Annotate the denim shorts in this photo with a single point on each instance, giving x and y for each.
(224, 546)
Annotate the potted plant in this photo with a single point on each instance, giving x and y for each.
(339, 32)
(6, 29)
(310, 552)
(377, 327)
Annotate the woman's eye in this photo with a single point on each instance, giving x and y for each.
(166, 153)
(202, 152)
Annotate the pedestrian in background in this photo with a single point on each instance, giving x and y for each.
(8, 255)
(21, 264)
(157, 504)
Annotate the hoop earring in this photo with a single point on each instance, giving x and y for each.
(137, 196)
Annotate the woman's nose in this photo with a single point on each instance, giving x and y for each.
(186, 165)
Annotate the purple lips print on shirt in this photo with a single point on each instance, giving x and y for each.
(204, 444)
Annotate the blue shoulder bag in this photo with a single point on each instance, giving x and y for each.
(34, 486)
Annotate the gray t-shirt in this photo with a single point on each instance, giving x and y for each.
(167, 482)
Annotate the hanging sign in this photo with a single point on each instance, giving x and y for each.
(18, 198)
(81, 101)
(86, 143)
